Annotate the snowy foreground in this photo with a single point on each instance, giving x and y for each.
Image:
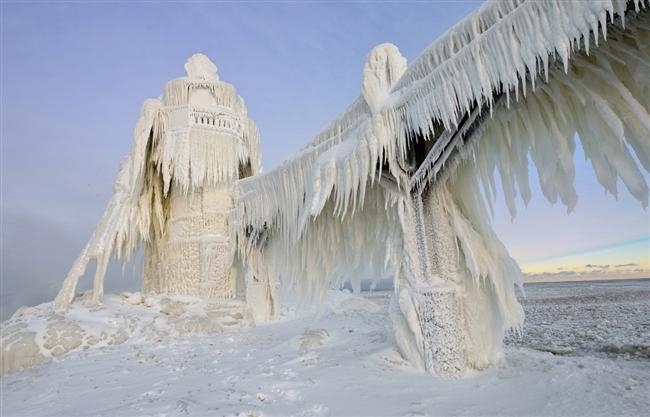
(585, 351)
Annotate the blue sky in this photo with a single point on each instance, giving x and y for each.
(75, 74)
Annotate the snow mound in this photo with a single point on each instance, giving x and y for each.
(38, 334)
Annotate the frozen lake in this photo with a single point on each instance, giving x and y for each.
(584, 351)
(599, 318)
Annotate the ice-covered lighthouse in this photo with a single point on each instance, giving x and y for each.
(174, 190)
(209, 135)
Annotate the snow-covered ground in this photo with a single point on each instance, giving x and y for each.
(585, 350)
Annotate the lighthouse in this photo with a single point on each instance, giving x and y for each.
(174, 191)
(206, 130)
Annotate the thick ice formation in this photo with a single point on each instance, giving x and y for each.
(403, 180)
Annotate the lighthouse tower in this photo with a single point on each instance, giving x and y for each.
(206, 127)
(174, 191)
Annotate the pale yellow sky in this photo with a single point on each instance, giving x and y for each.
(624, 259)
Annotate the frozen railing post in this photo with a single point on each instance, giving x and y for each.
(261, 296)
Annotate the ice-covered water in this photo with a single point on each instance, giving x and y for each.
(600, 318)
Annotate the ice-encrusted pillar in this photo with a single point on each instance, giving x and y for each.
(425, 311)
(428, 290)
